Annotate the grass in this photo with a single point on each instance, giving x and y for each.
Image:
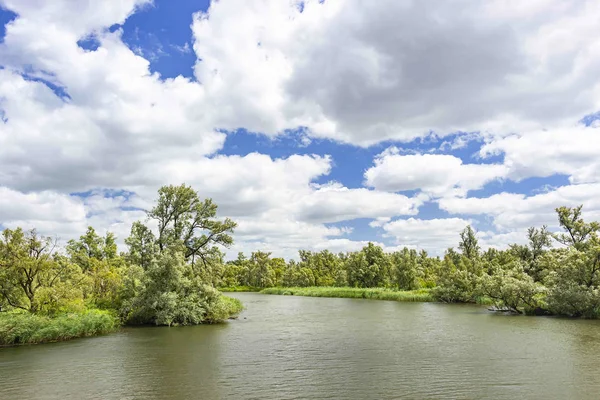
(421, 295)
(23, 328)
(239, 289)
(225, 308)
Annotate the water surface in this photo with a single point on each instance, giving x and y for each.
(316, 348)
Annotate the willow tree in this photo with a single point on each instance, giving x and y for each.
(185, 220)
(164, 284)
(33, 277)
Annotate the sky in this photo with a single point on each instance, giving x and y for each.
(318, 124)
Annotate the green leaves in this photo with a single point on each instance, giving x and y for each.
(187, 222)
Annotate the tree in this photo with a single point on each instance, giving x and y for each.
(97, 256)
(171, 293)
(142, 245)
(577, 230)
(469, 245)
(184, 220)
(574, 280)
(165, 285)
(406, 269)
(368, 267)
(325, 267)
(511, 288)
(261, 270)
(457, 279)
(539, 241)
(33, 277)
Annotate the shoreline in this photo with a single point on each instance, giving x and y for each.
(419, 295)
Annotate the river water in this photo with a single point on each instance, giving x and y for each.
(285, 347)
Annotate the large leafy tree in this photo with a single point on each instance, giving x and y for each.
(368, 267)
(574, 279)
(33, 277)
(165, 284)
(98, 258)
(185, 220)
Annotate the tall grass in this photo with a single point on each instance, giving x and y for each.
(23, 328)
(420, 295)
(239, 289)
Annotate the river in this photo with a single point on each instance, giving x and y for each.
(286, 347)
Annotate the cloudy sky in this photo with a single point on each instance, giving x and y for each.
(314, 124)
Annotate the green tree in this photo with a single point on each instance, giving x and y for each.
(261, 270)
(577, 231)
(368, 267)
(511, 288)
(33, 277)
(165, 285)
(185, 220)
(539, 242)
(469, 246)
(406, 268)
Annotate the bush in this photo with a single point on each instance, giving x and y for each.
(25, 328)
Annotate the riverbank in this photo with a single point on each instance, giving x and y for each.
(21, 328)
(421, 295)
(234, 289)
(25, 328)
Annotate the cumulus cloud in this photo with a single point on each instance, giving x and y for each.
(365, 72)
(438, 174)
(433, 235)
(516, 75)
(572, 150)
(511, 211)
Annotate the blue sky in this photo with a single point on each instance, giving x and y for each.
(315, 124)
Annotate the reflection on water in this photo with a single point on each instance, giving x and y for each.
(316, 348)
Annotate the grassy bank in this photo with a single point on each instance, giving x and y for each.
(22, 328)
(355, 293)
(231, 289)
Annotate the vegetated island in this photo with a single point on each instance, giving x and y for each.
(171, 277)
(90, 288)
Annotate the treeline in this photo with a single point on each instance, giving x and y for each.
(173, 265)
(535, 278)
(165, 277)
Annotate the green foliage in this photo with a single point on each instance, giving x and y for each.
(369, 267)
(164, 279)
(577, 231)
(574, 282)
(188, 222)
(511, 289)
(354, 293)
(27, 328)
(469, 245)
(35, 279)
(457, 279)
(406, 269)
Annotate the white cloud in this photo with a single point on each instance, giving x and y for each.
(364, 72)
(438, 174)
(517, 211)
(433, 235)
(335, 203)
(359, 72)
(571, 150)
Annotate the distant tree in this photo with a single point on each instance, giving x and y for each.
(469, 246)
(368, 267)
